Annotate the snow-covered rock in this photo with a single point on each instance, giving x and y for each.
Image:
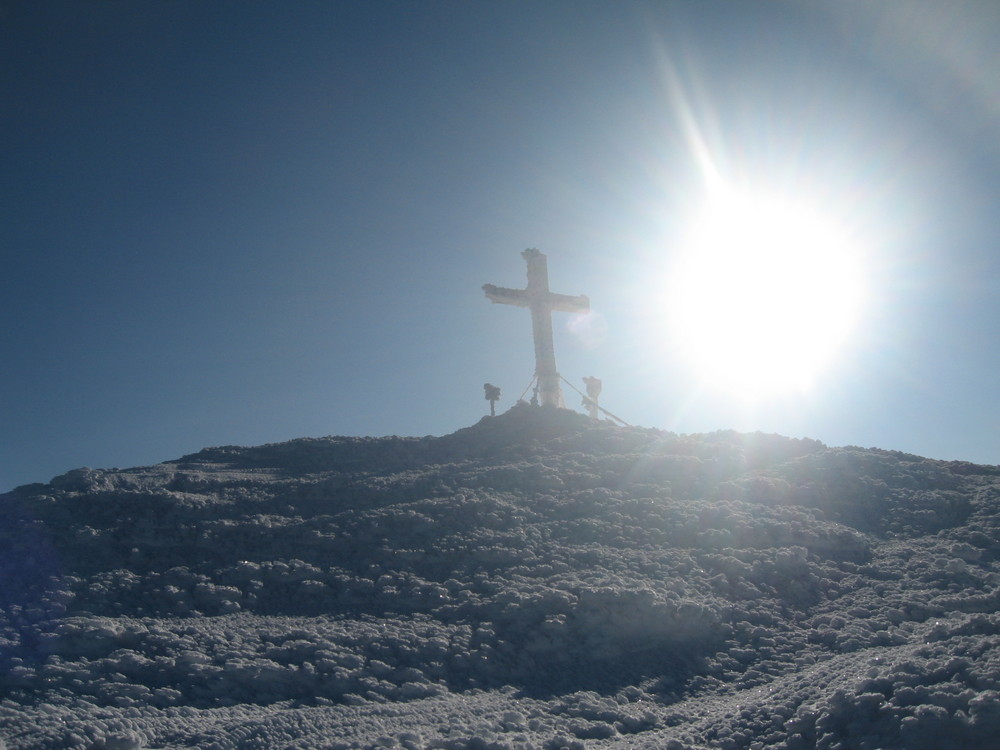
(537, 580)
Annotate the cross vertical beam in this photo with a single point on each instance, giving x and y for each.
(541, 302)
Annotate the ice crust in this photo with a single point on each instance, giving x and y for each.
(537, 580)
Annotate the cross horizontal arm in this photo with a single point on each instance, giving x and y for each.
(505, 296)
(526, 298)
(568, 303)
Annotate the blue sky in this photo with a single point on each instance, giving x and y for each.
(238, 223)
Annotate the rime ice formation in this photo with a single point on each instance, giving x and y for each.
(541, 302)
(538, 580)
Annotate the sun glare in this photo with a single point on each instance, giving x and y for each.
(764, 294)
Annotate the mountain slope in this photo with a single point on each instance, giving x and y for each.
(536, 580)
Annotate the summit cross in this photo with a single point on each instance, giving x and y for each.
(541, 302)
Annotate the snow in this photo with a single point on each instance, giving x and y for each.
(538, 580)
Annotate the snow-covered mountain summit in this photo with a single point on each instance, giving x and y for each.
(537, 580)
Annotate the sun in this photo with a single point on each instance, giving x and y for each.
(764, 294)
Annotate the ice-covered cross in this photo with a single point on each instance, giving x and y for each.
(541, 302)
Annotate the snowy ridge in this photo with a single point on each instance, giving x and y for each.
(536, 580)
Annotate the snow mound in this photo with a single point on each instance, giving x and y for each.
(537, 580)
